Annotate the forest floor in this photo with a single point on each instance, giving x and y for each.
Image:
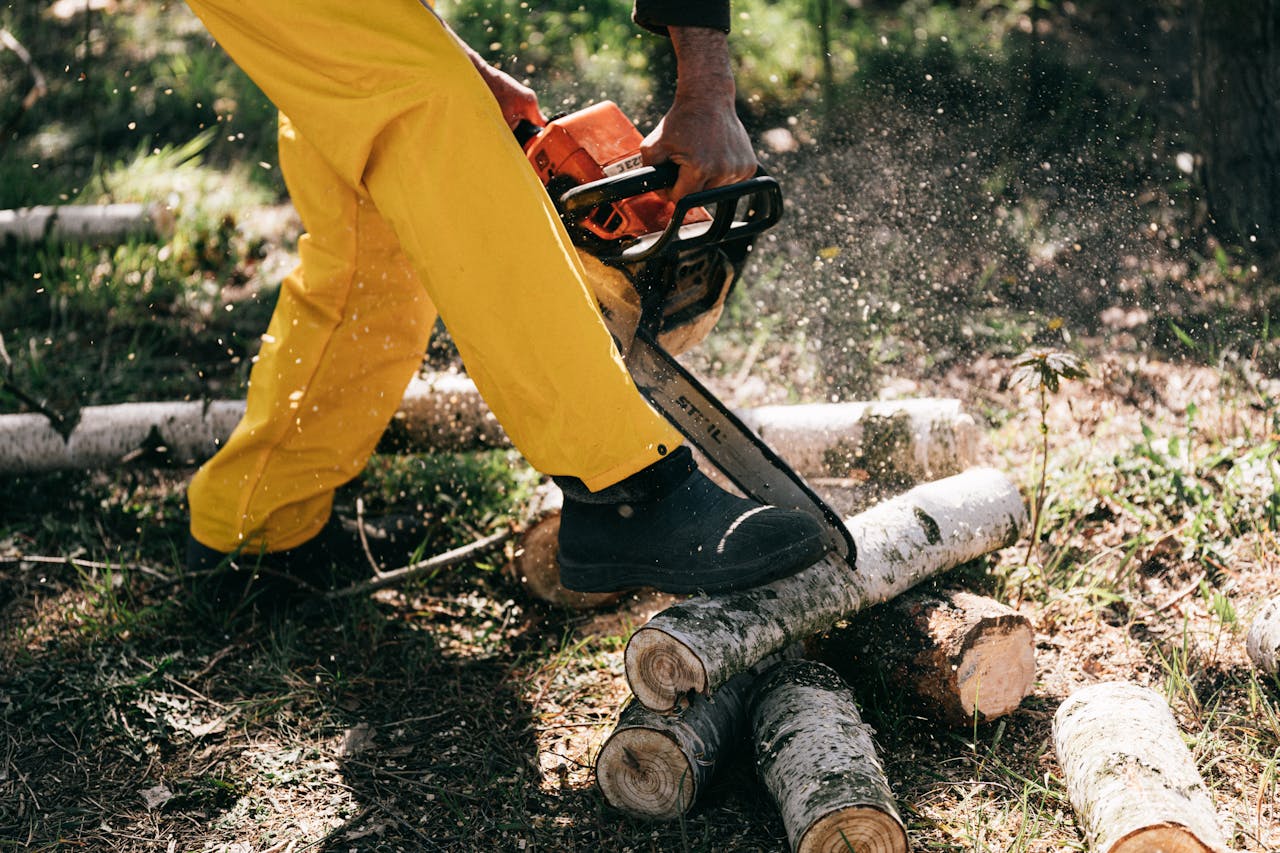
(455, 714)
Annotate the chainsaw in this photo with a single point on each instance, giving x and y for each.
(661, 273)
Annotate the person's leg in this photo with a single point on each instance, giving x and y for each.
(395, 106)
(392, 104)
(349, 330)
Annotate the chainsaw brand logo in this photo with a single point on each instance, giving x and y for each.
(626, 164)
(708, 426)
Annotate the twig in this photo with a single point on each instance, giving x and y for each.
(62, 424)
(440, 561)
(39, 88)
(84, 564)
(1190, 588)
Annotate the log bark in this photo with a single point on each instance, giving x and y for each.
(535, 563)
(1130, 778)
(105, 436)
(1263, 642)
(442, 412)
(964, 657)
(84, 223)
(903, 441)
(699, 644)
(818, 761)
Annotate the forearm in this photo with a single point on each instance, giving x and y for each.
(703, 69)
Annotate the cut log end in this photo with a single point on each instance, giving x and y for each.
(862, 828)
(1170, 838)
(643, 772)
(662, 671)
(536, 565)
(998, 672)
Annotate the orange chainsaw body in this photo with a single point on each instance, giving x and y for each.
(594, 143)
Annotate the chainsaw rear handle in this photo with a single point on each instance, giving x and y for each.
(763, 211)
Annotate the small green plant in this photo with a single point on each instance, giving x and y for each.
(1042, 371)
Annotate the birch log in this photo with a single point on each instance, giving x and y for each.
(699, 644)
(904, 440)
(656, 765)
(818, 761)
(443, 412)
(1131, 779)
(87, 223)
(536, 564)
(964, 657)
(1263, 642)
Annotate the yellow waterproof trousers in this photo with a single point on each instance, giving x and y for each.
(416, 198)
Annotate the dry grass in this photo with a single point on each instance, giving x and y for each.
(456, 715)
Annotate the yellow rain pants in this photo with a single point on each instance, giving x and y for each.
(416, 198)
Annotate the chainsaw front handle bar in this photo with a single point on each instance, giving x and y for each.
(764, 209)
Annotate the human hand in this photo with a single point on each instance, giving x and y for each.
(701, 131)
(516, 100)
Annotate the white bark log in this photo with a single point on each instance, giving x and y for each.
(818, 761)
(905, 440)
(701, 643)
(106, 435)
(965, 657)
(1131, 779)
(86, 223)
(442, 412)
(1263, 643)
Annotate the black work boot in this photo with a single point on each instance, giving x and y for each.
(671, 528)
(337, 555)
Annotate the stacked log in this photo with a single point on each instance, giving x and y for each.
(818, 761)
(1263, 641)
(699, 644)
(965, 658)
(656, 765)
(1130, 778)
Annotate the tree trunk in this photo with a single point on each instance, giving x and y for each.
(699, 644)
(536, 562)
(1237, 89)
(1263, 643)
(816, 758)
(1131, 779)
(105, 223)
(899, 441)
(964, 657)
(442, 412)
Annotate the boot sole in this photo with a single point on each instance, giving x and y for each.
(619, 577)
